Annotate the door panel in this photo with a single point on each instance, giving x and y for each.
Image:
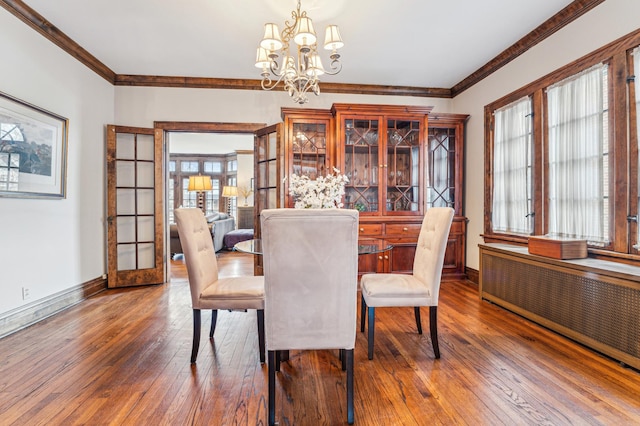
(135, 236)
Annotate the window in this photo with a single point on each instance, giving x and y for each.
(562, 151)
(181, 166)
(577, 111)
(512, 191)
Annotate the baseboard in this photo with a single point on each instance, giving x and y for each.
(27, 315)
(473, 275)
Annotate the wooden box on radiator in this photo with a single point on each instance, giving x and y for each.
(558, 248)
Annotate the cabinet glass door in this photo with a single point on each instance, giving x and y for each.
(441, 157)
(403, 166)
(309, 149)
(361, 163)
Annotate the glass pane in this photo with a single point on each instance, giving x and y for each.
(125, 146)
(273, 173)
(125, 173)
(272, 145)
(145, 147)
(146, 201)
(403, 152)
(146, 174)
(441, 167)
(273, 199)
(213, 167)
(361, 165)
(126, 257)
(146, 256)
(146, 228)
(126, 229)
(309, 149)
(125, 201)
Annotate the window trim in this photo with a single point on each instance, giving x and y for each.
(616, 55)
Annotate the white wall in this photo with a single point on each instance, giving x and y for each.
(605, 23)
(53, 245)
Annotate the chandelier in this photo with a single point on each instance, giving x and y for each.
(298, 73)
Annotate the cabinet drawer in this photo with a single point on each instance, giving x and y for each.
(408, 229)
(370, 229)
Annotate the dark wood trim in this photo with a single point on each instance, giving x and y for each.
(473, 275)
(248, 84)
(36, 21)
(27, 315)
(558, 21)
(196, 127)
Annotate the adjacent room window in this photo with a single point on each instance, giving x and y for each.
(578, 145)
(512, 209)
(181, 166)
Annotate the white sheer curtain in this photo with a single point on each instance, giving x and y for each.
(512, 209)
(578, 156)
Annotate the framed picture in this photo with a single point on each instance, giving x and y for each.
(33, 150)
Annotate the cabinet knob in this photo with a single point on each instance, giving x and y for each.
(380, 257)
(405, 229)
(361, 229)
(386, 257)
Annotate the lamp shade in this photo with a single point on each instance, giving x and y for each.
(332, 39)
(230, 191)
(304, 34)
(262, 58)
(271, 40)
(199, 183)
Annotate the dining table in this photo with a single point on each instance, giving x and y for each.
(366, 245)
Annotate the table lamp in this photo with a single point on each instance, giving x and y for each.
(229, 192)
(200, 184)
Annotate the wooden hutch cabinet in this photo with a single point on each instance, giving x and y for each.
(399, 160)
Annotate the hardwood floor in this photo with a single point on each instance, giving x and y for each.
(122, 357)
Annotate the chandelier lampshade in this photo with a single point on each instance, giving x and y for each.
(300, 66)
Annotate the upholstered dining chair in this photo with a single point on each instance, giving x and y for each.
(310, 272)
(419, 289)
(208, 290)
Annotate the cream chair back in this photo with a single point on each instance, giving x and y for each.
(199, 255)
(310, 270)
(431, 248)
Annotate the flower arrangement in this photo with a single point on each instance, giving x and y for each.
(323, 193)
(245, 192)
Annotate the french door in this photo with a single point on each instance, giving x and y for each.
(135, 220)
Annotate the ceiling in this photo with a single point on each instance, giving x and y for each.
(425, 43)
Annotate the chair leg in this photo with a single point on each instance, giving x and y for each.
(372, 322)
(214, 320)
(416, 310)
(196, 335)
(261, 334)
(433, 327)
(349, 357)
(363, 313)
(278, 359)
(273, 355)
(342, 358)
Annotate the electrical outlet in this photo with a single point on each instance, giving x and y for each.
(26, 293)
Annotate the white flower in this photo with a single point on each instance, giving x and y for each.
(323, 193)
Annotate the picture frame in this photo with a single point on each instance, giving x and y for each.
(33, 150)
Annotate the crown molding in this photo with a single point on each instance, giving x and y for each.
(570, 13)
(36, 21)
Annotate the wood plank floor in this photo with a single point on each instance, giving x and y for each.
(122, 357)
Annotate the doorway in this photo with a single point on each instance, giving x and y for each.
(188, 133)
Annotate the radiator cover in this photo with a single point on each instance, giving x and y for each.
(592, 301)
